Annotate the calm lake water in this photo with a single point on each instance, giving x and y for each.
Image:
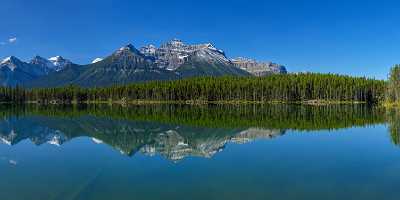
(199, 152)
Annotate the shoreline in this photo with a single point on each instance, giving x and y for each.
(198, 102)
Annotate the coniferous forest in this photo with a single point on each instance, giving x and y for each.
(275, 88)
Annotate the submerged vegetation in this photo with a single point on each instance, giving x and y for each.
(293, 88)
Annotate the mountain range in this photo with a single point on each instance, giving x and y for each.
(172, 60)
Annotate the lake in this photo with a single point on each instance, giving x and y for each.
(199, 152)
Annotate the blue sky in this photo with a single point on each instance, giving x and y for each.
(359, 38)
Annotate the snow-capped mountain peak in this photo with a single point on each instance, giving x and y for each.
(59, 62)
(128, 47)
(6, 60)
(37, 60)
(149, 50)
(56, 63)
(174, 53)
(55, 58)
(128, 50)
(11, 62)
(176, 42)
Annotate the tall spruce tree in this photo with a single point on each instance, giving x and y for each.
(393, 90)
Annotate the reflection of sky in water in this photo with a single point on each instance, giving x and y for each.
(88, 157)
(356, 163)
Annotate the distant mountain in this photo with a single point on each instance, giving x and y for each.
(259, 68)
(195, 60)
(59, 63)
(175, 53)
(66, 76)
(14, 72)
(172, 60)
(126, 65)
(205, 59)
(52, 64)
(42, 63)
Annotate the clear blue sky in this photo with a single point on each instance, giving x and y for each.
(348, 37)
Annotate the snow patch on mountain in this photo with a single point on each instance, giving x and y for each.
(175, 53)
(6, 60)
(97, 60)
(59, 62)
(10, 62)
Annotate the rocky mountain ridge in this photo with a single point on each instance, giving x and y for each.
(175, 53)
(172, 60)
(258, 68)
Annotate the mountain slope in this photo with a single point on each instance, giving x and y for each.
(42, 63)
(129, 65)
(259, 68)
(172, 60)
(14, 72)
(126, 65)
(209, 62)
(58, 63)
(192, 60)
(201, 68)
(60, 78)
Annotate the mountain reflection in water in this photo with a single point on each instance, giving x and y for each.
(177, 131)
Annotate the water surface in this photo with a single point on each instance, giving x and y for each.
(199, 152)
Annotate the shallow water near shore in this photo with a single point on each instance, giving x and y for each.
(199, 152)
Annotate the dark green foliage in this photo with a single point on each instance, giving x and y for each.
(220, 116)
(393, 118)
(282, 88)
(130, 128)
(393, 89)
(286, 88)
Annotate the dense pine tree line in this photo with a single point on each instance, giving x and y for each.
(283, 88)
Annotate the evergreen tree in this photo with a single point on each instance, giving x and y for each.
(393, 89)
